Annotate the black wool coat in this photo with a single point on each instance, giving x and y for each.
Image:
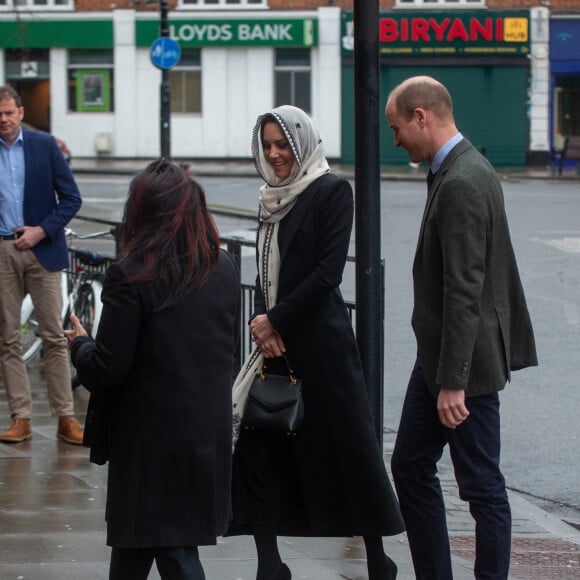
(168, 376)
(331, 479)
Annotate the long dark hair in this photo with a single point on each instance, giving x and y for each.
(168, 230)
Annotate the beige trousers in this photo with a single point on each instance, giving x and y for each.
(20, 272)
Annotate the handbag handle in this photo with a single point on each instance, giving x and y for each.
(291, 374)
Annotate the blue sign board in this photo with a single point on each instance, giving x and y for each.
(165, 52)
(565, 39)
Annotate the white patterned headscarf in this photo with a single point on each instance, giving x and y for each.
(277, 198)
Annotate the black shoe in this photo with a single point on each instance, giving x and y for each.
(387, 571)
(392, 574)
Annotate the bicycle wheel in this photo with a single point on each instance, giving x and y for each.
(85, 307)
(30, 341)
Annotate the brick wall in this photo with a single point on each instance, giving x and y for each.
(387, 4)
(105, 5)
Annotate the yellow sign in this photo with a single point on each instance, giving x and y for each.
(515, 30)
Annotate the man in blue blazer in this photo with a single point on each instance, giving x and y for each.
(38, 197)
(472, 328)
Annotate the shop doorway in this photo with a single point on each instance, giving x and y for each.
(566, 109)
(35, 97)
(28, 72)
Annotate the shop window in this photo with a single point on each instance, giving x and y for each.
(37, 4)
(90, 80)
(292, 78)
(185, 81)
(439, 3)
(566, 109)
(26, 64)
(208, 4)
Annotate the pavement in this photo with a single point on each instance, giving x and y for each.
(245, 168)
(52, 498)
(52, 502)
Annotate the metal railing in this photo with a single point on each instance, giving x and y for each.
(235, 246)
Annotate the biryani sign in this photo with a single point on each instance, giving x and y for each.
(445, 33)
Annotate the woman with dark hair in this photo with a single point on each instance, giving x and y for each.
(164, 357)
(329, 479)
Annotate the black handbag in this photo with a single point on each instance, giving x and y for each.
(274, 403)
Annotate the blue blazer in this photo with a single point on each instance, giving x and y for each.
(51, 197)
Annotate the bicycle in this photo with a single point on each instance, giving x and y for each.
(81, 288)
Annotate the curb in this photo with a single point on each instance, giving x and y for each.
(241, 169)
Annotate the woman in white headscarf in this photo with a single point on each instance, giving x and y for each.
(329, 479)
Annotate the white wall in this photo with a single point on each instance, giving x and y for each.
(125, 130)
(326, 79)
(146, 112)
(237, 86)
(77, 129)
(540, 80)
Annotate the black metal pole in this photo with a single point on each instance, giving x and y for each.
(165, 112)
(369, 286)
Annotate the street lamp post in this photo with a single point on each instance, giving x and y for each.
(369, 272)
(165, 112)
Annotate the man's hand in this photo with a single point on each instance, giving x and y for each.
(28, 237)
(451, 407)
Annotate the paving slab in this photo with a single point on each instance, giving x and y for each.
(52, 520)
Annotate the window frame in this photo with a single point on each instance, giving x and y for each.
(439, 4)
(293, 69)
(189, 68)
(221, 5)
(31, 6)
(102, 68)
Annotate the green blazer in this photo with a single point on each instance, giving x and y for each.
(470, 316)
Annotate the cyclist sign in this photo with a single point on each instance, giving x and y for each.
(165, 52)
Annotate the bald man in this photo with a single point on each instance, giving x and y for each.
(472, 328)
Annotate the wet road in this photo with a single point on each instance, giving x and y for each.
(540, 406)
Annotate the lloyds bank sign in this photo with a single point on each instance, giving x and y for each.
(194, 32)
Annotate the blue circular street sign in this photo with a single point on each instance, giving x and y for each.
(165, 52)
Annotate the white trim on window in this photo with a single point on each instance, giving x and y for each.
(222, 4)
(36, 5)
(439, 4)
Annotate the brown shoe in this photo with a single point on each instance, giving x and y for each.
(70, 431)
(19, 431)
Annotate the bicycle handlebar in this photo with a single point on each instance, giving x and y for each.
(70, 233)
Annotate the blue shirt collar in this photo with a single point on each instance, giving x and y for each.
(444, 151)
(18, 139)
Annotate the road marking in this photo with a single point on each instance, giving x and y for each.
(571, 313)
(116, 180)
(104, 199)
(565, 244)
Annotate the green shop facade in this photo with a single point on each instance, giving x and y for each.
(486, 60)
(89, 77)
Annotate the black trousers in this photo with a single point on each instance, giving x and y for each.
(475, 452)
(172, 563)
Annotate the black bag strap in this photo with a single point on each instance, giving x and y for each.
(291, 374)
